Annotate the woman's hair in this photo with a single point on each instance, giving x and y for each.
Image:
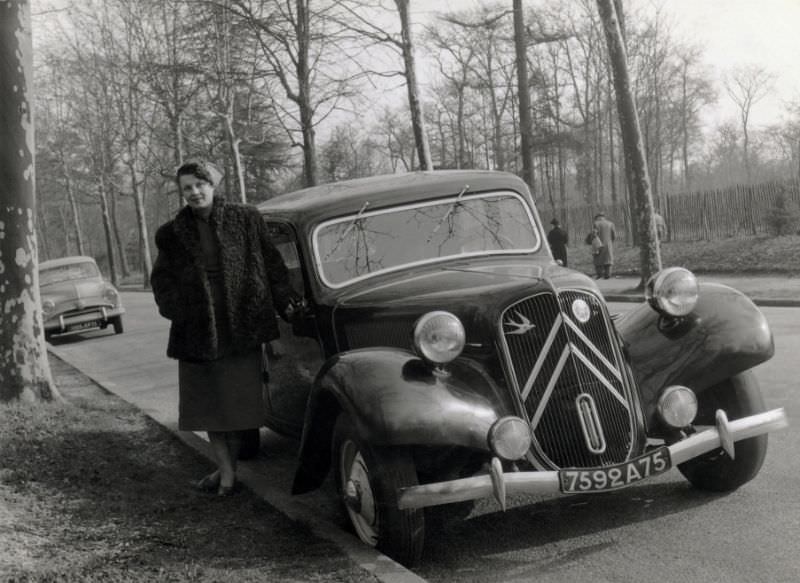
(199, 169)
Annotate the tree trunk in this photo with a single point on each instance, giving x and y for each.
(687, 179)
(234, 142)
(414, 102)
(73, 204)
(635, 162)
(304, 94)
(177, 147)
(24, 368)
(111, 200)
(141, 222)
(524, 99)
(41, 233)
(108, 230)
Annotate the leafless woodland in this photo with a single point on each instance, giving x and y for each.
(287, 93)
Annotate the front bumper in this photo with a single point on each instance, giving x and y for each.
(96, 317)
(500, 484)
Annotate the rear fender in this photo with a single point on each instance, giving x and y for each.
(724, 335)
(394, 398)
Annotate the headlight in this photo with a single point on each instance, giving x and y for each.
(677, 406)
(111, 296)
(439, 337)
(672, 291)
(510, 438)
(48, 306)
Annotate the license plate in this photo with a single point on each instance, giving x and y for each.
(81, 326)
(617, 476)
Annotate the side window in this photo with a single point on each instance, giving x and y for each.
(284, 239)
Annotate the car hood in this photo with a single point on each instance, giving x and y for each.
(455, 284)
(383, 312)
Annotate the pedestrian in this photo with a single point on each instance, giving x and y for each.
(661, 225)
(219, 280)
(558, 239)
(596, 245)
(607, 235)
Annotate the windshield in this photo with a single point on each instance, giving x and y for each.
(357, 246)
(69, 272)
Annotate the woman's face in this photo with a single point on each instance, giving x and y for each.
(197, 193)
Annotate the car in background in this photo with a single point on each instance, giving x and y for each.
(440, 356)
(76, 298)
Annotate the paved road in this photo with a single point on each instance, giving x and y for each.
(662, 532)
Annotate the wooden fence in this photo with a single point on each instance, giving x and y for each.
(704, 215)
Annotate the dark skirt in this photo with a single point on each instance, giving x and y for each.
(221, 395)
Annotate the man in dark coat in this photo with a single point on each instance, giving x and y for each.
(558, 239)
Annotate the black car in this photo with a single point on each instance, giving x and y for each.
(443, 356)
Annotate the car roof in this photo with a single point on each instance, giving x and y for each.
(310, 205)
(65, 261)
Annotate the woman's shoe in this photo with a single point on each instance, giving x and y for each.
(209, 483)
(224, 491)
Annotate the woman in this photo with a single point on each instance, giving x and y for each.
(598, 256)
(217, 278)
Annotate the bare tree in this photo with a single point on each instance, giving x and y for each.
(172, 70)
(479, 35)
(635, 161)
(696, 91)
(24, 368)
(123, 51)
(523, 95)
(414, 101)
(299, 54)
(746, 86)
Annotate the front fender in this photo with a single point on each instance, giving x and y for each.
(394, 398)
(724, 335)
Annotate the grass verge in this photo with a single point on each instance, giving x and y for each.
(750, 255)
(93, 490)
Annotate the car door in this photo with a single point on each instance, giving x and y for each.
(295, 357)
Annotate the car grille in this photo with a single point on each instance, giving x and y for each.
(573, 385)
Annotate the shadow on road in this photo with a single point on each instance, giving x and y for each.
(524, 528)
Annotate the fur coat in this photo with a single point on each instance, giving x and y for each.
(256, 281)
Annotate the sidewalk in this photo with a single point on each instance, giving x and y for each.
(764, 290)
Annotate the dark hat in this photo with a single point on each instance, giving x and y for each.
(555, 222)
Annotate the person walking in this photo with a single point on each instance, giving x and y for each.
(607, 235)
(558, 239)
(661, 226)
(220, 281)
(593, 240)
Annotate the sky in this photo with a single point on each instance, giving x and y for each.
(733, 32)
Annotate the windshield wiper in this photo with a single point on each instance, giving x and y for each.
(456, 202)
(347, 230)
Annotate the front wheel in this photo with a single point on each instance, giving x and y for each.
(116, 321)
(739, 396)
(367, 479)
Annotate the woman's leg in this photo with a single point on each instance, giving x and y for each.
(234, 439)
(225, 462)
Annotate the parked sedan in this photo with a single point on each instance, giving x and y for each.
(76, 298)
(442, 356)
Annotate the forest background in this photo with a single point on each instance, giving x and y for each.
(291, 93)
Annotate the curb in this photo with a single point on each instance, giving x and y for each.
(383, 568)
